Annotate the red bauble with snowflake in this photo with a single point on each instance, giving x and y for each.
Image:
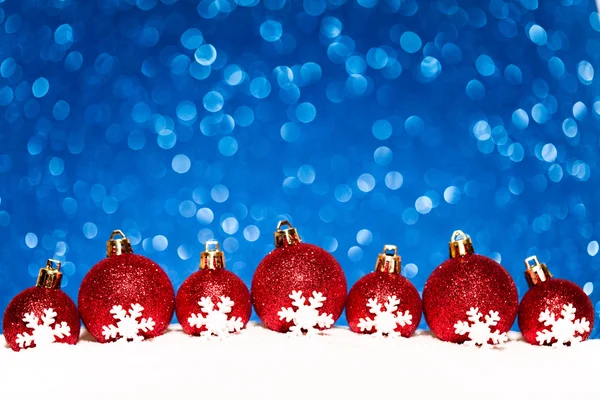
(554, 311)
(298, 288)
(125, 297)
(383, 302)
(41, 315)
(213, 301)
(470, 298)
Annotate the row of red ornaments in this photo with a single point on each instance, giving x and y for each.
(300, 289)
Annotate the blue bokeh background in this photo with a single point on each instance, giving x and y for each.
(364, 122)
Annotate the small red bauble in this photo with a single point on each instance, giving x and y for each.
(41, 315)
(383, 302)
(470, 290)
(125, 296)
(553, 311)
(298, 287)
(213, 301)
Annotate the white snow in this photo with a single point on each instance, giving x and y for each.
(306, 317)
(128, 326)
(480, 331)
(386, 320)
(261, 364)
(43, 334)
(565, 329)
(215, 319)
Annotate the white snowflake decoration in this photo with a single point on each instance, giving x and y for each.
(215, 319)
(42, 334)
(564, 330)
(386, 320)
(127, 326)
(479, 331)
(306, 317)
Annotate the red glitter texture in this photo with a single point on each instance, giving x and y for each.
(301, 267)
(213, 284)
(382, 285)
(124, 280)
(464, 282)
(35, 300)
(552, 295)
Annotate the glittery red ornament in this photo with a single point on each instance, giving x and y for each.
(384, 302)
(213, 301)
(125, 296)
(553, 311)
(294, 267)
(41, 315)
(466, 281)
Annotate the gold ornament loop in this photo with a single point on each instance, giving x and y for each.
(286, 237)
(116, 247)
(390, 263)
(460, 244)
(50, 277)
(212, 258)
(536, 272)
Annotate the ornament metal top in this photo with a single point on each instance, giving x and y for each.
(50, 277)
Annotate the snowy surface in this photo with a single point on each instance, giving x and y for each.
(260, 364)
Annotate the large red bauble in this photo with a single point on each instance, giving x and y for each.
(553, 295)
(461, 283)
(214, 284)
(126, 280)
(381, 285)
(296, 267)
(37, 301)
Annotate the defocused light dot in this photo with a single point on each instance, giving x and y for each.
(585, 72)
(394, 180)
(579, 110)
(306, 174)
(364, 237)
(181, 163)
(538, 35)
(355, 254)
(539, 113)
(555, 173)
(31, 240)
(410, 216)
(513, 75)
(61, 110)
(271, 30)
(192, 38)
(186, 111)
(206, 54)
(366, 183)
(205, 235)
(452, 195)
(343, 193)
(485, 65)
(160, 243)
(377, 58)
(423, 205)
(592, 248)
(228, 146)
(383, 155)
(314, 7)
(40, 87)
(588, 288)
(213, 101)
(260, 87)
(56, 166)
(73, 61)
(243, 116)
(549, 152)
(430, 67)
(63, 34)
(233, 74)
(184, 252)
(90, 230)
(251, 233)
(290, 132)
(410, 42)
(205, 216)
(475, 90)
(520, 119)
(331, 27)
(355, 65)
(382, 129)
(306, 112)
(187, 208)
(230, 225)
(219, 193)
(110, 205)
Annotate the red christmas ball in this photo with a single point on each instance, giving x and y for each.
(554, 311)
(384, 302)
(298, 287)
(125, 296)
(213, 301)
(469, 290)
(41, 315)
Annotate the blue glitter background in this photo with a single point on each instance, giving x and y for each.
(364, 122)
